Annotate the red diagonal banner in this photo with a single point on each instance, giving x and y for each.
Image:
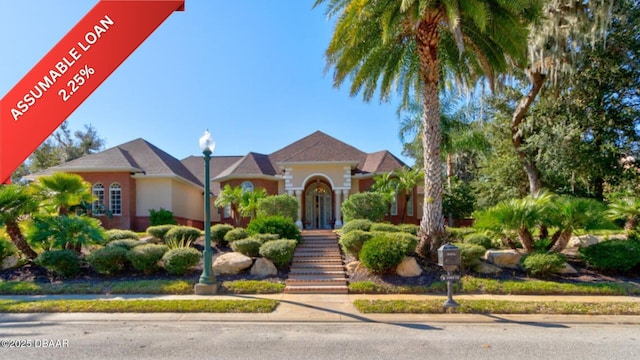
(71, 71)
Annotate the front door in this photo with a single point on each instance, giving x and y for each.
(318, 206)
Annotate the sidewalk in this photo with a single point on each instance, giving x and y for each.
(327, 308)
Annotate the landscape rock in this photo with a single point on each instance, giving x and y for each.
(409, 267)
(484, 268)
(503, 258)
(583, 241)
(263, 268)
(9, 262)
(231, 263)
(568, 270)
(352, 266)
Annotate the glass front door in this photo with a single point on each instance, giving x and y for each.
(318, 206)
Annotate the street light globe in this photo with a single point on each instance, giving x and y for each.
(207, 144)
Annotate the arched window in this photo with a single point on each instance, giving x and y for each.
(115, 199)
(98, 194)
(246, 186)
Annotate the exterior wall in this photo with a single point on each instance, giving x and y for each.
(187, 201)
(301, 173)
(129, 201)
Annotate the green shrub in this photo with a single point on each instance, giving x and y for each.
(64, 263)
(365, 205)
(381, 253)
(284, 227)
(117, 234)
(125, 243)
(6, 248)
(613, 255)
(284, 204)
(409, 228)
(263, 238)
(179, 261)
(543, 264)
(218, 231)
(386, 227)
(159, 231)
(352, 241)
(470, 253)
(235, 235)
(185, 234)
(249, 247)
(161, 217)
(145, 258)
(109, 260)
(280, 252)
(478, 239)
(357, 224)
(406, 241)
(59, 232)
(458, 234)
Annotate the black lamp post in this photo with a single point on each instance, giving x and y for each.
(207, 283)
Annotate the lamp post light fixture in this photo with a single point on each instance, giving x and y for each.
(207, 283)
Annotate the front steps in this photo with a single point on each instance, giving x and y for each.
(317, 266)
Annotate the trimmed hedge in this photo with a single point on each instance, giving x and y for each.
(235, 235)
(543, 264)
(64, 263)
(352, 241)
(263, 238)
(125, 243)
(386, 227)
(280, 252)
(612, 255)
(284, 227)
(109, 260)
(145, 258)
(409, 228)
(218, 231)
(470, 253)
(357, 224)
(481, 240)
(382, 253)
(159, 231)
(186, 234)
(117, 234)
(248, 247)
(179, 261)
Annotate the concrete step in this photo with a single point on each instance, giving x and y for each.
(316, 282)
(316, 271)
(317, 289)
(313, 261)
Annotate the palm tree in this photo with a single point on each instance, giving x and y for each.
(626, 208)
(249, 202)
(230, 197)
(382, 45)
(16, 202)
(408, 179)
(61, 191)
(386, 184)
(569, 214)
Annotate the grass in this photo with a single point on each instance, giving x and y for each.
(497, 307)
(139, 306)
(253, 287)
(167, 287)
(473, 285)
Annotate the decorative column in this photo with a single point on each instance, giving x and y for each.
(299, 198)
(338, 213)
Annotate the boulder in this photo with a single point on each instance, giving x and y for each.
(263, 268)
(231, 263)
(568, 270)
(583, 241)
(9, 262)
(409, 267)
(503, 258)
(484, 268)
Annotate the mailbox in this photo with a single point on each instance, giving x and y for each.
(449, 257)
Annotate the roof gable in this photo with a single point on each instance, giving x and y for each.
(317, 147)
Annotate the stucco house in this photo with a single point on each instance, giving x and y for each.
(320, 171)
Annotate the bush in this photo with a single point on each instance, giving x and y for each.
(366, 205)
(161, 217)
(235, 235)
(386, 227)
(117, 234)
(284, 204)
(284, 227)
(613, 255)
(184, 234)
(263, 238)
(357, 224)
(409, 228)
(280, 252)
(145, 257)
(481, 240)
(458, 234)
(64, 263)
(352, 241)
(381, 253)
(470, 253)
(179, 261)
(249, 247)
(543, 264)
(6, 248)
(218, 231)
(159, 231)
(109, 260)
(406, 241)
(59, 232)
(125, 243)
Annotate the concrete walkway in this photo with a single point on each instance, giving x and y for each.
(327, 308)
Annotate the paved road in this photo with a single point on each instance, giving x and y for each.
(145, 339)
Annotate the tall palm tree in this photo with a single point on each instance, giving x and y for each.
(17, 202)
(408, 179)
(230, 196)
(382, 45)
(61, 191)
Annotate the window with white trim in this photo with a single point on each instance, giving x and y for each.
(246, 186)
(226, 212)
(97, 207)
(115, 199)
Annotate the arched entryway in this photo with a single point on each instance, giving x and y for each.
(318, 209)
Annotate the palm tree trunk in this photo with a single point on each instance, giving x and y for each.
(19, 241)
(563, 241)
(533, 174)
(526, 239)
(432, 231)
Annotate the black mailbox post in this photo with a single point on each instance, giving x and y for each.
(449, 258)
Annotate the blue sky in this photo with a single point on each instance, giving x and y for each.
(251, 71)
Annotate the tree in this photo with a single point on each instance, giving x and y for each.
(386, 184)
(627, 208)
(230, 197)
(284, 204)
(17, 202)
(71, 232)
(62, 191)
(407, 45)
(249, 202)
(365, 205)
(408, 179)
